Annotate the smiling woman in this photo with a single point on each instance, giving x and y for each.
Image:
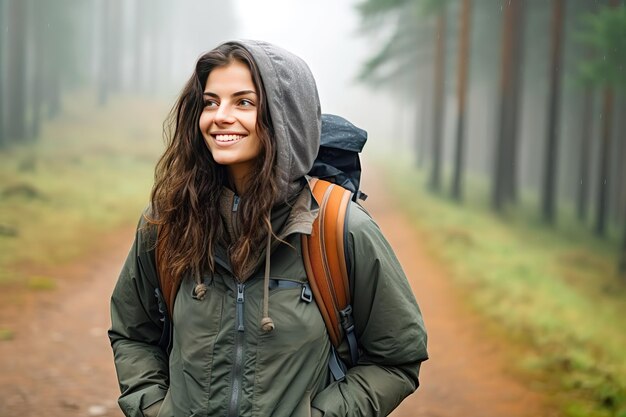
(229, 209)
(228, 122)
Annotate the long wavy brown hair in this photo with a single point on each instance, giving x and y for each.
(189, 183)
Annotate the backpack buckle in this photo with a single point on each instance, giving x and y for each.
(306, 295)
(346, 318)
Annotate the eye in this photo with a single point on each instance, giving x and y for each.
(210, 103)
(244, 102)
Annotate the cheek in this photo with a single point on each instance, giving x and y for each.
(249, 122)
(204, 122)
(255, 149)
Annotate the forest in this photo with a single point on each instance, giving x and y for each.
(511, 161)
(50, 49)
(528, 94)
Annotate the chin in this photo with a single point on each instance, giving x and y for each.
(224, 160)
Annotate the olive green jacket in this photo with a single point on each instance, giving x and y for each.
(223, 364)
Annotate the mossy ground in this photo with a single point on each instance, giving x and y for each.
(89, 173)
(552, 289)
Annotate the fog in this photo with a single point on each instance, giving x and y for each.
(505, 125)
(150, 48)
(105, 50)
(326, 35)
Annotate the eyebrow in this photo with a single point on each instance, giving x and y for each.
(237, 94)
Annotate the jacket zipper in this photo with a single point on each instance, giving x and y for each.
(234, 214)
(233, 410)
(235, 203)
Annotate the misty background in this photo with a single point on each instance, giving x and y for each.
(376, 64)
(498, 125)
(150, 47)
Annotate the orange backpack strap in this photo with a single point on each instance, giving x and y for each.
(325, 262)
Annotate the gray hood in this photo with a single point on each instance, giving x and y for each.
(294, 107)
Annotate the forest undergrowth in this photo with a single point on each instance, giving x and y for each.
(89, 173)
(554, 291)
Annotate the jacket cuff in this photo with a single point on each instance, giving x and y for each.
(135, 404)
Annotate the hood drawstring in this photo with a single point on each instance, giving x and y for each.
(200, 289)
(267, 324)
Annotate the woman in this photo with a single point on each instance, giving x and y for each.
(230, 201)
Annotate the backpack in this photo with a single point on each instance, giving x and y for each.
(336, 176)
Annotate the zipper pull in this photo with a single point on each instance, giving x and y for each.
(240, 300)
(235, 203)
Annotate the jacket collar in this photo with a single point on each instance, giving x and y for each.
(300, 213)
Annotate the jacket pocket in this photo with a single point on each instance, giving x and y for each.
(197, 324)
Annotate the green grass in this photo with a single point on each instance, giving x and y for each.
(41, 283)
(89, 174)
(553, 290)
(6, 334)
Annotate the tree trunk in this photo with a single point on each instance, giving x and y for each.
(418, 137)
(549, 195)
(39, 64)
(510, 174)
(622, 261)
(138, 46)
(104, 61)
(422, 131)
(438, 105)
(54, 93)
(621, 165)
(55, 65)
(617, 161)
(585, 152)
(505, 154)
(464, 40)
(16, 70)
(151, 57)
(116, 44)
(166, 47)
(3, 142)
(604, 169)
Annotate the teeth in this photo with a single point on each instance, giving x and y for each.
(227, 138)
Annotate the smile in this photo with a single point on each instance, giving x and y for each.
(228, 138)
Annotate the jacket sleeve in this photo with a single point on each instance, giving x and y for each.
(389, 329)
(136, 328)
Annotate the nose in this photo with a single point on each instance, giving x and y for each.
(224, 114)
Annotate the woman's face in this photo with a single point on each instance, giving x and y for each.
(228, 120)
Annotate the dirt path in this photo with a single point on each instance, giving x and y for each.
(467, 374)
(59, 363)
